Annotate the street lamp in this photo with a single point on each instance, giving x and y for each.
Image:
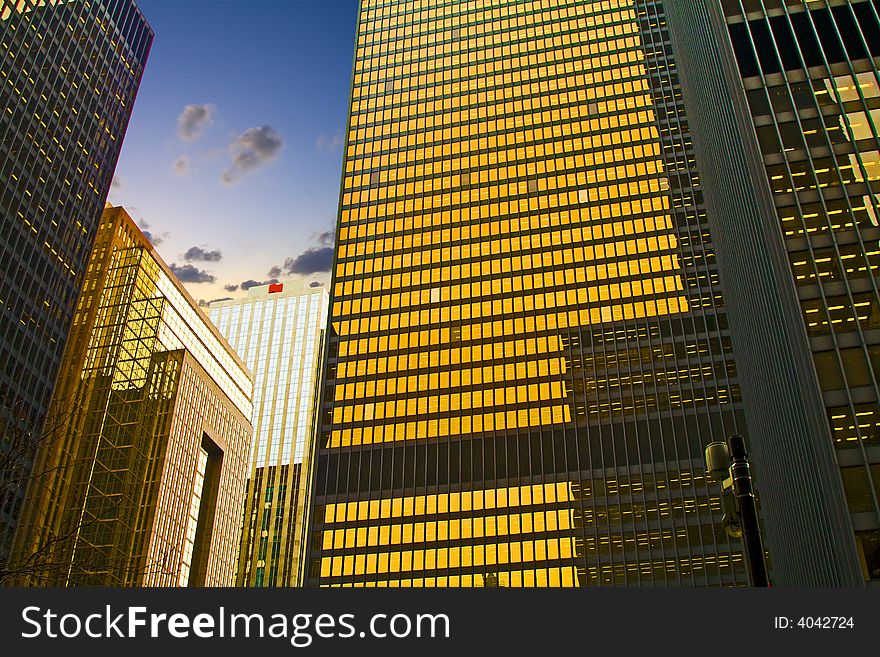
(738, 498)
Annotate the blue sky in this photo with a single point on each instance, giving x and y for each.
(268, 82)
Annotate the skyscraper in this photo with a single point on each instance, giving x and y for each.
(786, 120)
(68, 79)
(277, 330)
(142, 477)
(528, 345)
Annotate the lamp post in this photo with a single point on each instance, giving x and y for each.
(741, 511)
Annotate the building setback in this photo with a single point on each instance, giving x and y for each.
(277, 329)
(69, 73)
(142, 477)
(528, 346)
(785, 129)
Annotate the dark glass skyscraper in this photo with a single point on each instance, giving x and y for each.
(528, 345)
(69, 72)
(787, 100)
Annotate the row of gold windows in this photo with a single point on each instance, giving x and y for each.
(512, 372)
(522, 304)
(481, 527)
(525, 409)
(417, 73)
(591, 545)
(452, 426)
(521, 350)
(601, 335)
(524, 232)
(487, 219)
(488, 266)
(403, 282)
(573, 185)
(457, 557)
(384, 25)
(533, 108)
(420, 68)
(500, 498)
(544, 124)
(595, 86)
(518, 146)
(470, 35)
(466, 401)
(535, 578)
(505, 498)
(519, 523)
(544, 184)
(543, 39)
(558, 33)
(528, 413)
(452, 9)
(506, 86)
(411, 360)
(404, 297)
(471, 95)
(455, 378)
(533, 230)
(636, 198)
(500, 155)
(502, 554)
(475, 172)
(486, 527)
(512, 287)
(498, 330)
(550, 302)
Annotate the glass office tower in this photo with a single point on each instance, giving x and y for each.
(787, 137)
(142, 477)
(69, 73)
(277, 330)
(528, 346)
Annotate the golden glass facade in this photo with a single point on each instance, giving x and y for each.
(528, 348)
(141, 479)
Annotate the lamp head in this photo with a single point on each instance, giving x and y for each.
(717, 460)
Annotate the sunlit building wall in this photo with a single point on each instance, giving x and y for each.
(143, 474)
(69, 73)
(528, 346)
(787, 136)
(277, 330)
